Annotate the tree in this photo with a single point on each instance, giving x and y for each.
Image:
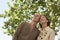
(23, 9)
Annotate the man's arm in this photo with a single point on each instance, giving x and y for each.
(17, 31)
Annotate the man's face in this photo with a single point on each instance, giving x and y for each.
(36, 17)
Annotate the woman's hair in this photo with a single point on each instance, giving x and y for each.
(48, 23)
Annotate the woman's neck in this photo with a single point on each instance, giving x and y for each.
(44, 26)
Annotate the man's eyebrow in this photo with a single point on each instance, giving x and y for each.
(36, 15)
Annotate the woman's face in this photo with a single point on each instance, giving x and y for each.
(43, 20)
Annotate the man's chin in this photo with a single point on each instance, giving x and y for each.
(36, 21)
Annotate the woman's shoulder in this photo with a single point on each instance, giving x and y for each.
(52, 30)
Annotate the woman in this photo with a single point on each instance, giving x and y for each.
(27, 31)
(46, 33)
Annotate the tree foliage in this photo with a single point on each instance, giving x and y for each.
(23, 9)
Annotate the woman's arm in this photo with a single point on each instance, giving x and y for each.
(52, 35)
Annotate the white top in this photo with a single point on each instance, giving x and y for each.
(46, 34)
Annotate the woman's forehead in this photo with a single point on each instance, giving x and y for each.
(43, 17)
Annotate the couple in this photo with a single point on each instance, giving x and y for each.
(28, 31)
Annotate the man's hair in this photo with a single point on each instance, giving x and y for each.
(48, 23)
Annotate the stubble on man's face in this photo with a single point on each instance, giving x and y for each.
(36, 17)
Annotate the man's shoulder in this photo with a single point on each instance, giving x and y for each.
(23, 22)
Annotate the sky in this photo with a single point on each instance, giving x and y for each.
(4, 6)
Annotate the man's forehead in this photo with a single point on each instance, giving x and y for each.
(37, 14)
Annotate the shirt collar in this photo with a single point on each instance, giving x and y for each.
(45, 29)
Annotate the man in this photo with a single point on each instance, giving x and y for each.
(27, 31)
(46, 33)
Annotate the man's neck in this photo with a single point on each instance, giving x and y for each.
(33, 24)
